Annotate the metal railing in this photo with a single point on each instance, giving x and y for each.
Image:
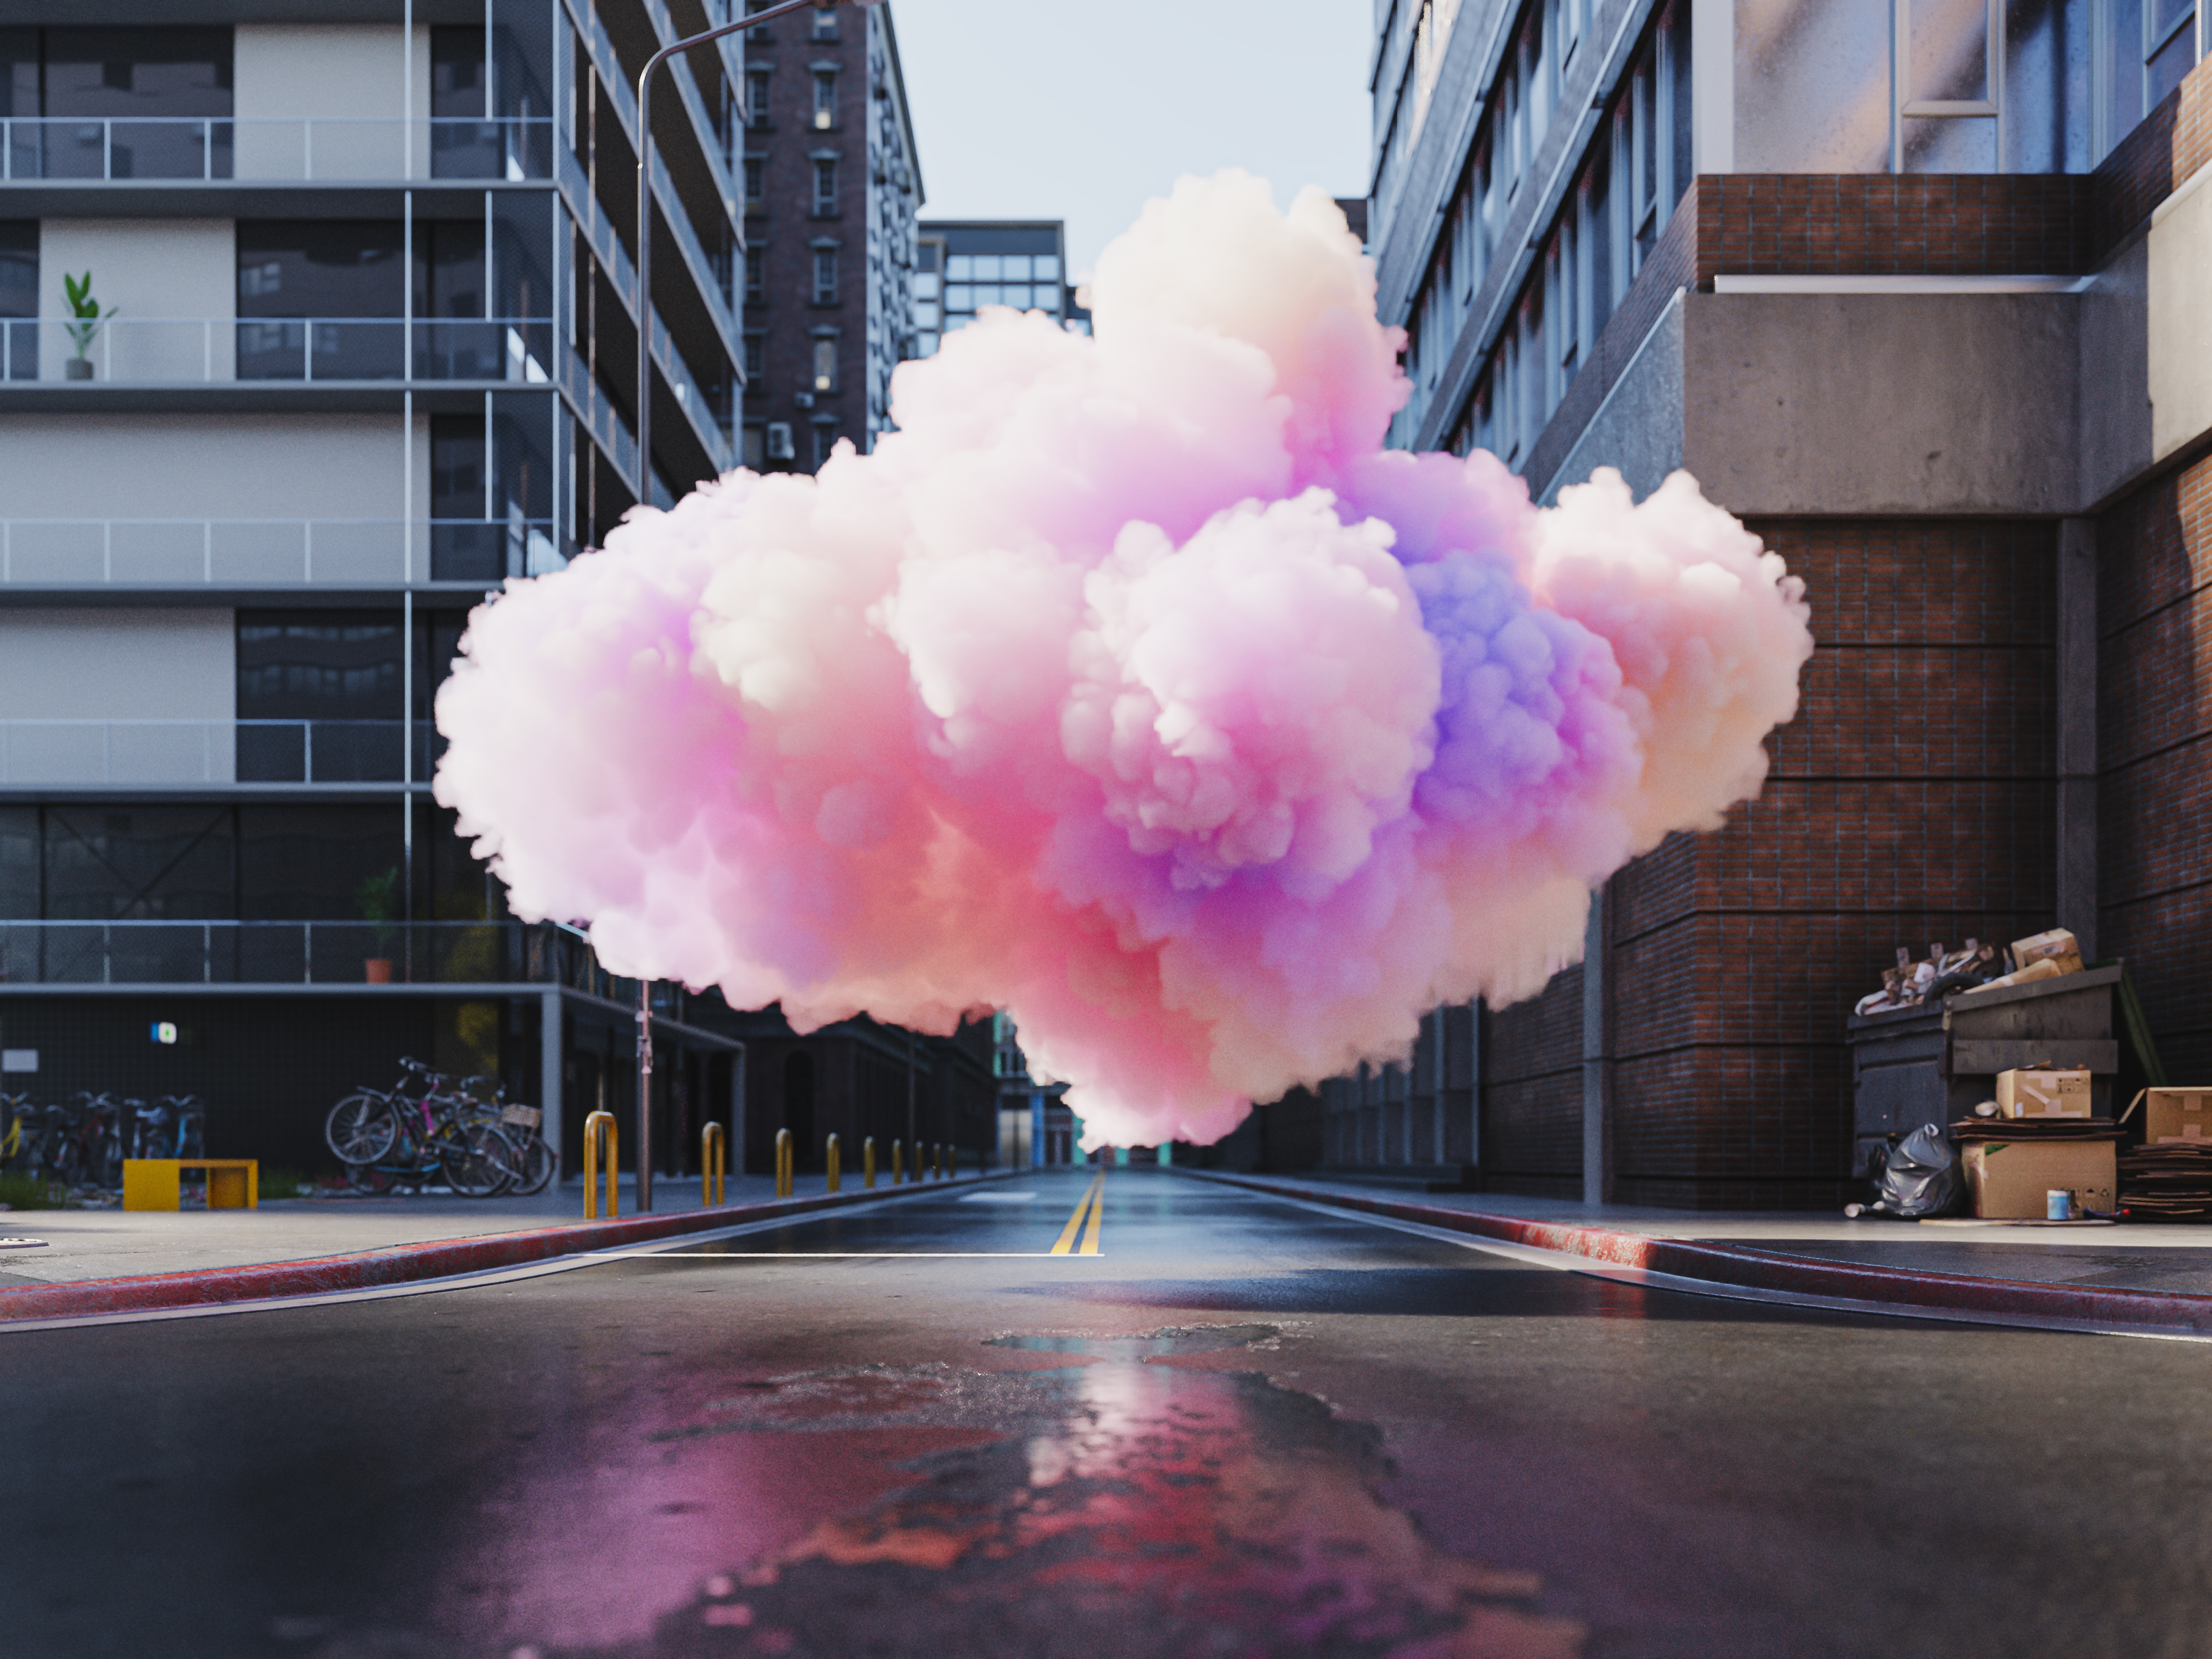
(278, 149)
(183, 753)
(271, 552)
(204, 350)
(215, 952)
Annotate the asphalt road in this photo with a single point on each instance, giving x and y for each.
(1241, 1428)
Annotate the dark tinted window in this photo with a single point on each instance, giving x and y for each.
(307, 863)
(456, 461)
(19, 72)
(320, 268)
(456, 72)
(449, 268)
(160, 72)
(107, 863)
(19, 862)
(319, 664)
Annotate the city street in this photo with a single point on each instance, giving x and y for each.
(1214, 1422)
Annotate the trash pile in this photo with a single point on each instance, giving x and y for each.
(1973, 967)
(2169, 1177)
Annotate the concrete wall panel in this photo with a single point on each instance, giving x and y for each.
(174, 282)
(2115, 352)
(207, 466)
(1638, 427)
(326, 100)
(118, 696)
(1878, 403)
(2178, 257)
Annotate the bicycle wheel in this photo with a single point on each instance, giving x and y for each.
(371, 1180)
(361, 1128)
(479, 1161)
(537, 1167)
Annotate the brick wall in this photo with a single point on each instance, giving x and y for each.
(2154, 756)
(2170, 143)
(1532, 1092)
(1885, 224)
(1911, 800)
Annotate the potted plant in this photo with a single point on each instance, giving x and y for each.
(86, 328)
(378, 898)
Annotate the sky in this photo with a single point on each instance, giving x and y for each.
(1083, 110)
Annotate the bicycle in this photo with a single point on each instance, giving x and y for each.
(16, 1111)
(522, 1127)
(152, 1132)
(392, 1138)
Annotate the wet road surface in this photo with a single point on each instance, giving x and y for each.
(1179, 1419)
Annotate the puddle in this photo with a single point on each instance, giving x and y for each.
(1123, 1507)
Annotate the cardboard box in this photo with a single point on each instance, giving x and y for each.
(2058, 946)
(2012, 1180)
(2184, 1115)
(2040, 1093)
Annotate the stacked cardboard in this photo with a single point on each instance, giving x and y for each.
(2170, 1175)
(2014, 1164)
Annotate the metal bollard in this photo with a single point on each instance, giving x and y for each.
(713, 1164)
(868, 1163)
(898, 1162)
(937, 1161)
(783, 1163)
(598, 1127)
(835, 1183)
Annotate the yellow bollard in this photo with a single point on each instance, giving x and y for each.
(713, 1164)
(899, 1163)
(937, 1161)
(600, 1125)
(783, 1163)
(868, 1163)
(836, 1184)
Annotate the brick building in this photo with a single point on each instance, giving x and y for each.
(832, 181)
(1923, 299)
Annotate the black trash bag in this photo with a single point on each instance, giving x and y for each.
(1922, 1176)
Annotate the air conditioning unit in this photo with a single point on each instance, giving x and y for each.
(779, 441)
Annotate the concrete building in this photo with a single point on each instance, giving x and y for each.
(1922, 294)
(832, 183)
(966, 264)
(365, 349)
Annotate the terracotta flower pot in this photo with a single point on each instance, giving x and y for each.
(379, 969)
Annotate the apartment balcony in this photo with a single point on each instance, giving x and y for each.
(229, 555)
(322, 954)
(136, 149)
(157, 351)
(201, 754)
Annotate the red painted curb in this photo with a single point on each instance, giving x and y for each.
(1735, 1267)
(407, 1263)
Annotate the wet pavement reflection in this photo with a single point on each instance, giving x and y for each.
(1137, 1507)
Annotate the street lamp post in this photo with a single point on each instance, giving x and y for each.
(645, 449)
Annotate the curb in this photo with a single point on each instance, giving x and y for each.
(1765, 1275)
(406, 1264)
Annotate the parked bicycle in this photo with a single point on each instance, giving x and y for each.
(417, 1133)
(175, 1126)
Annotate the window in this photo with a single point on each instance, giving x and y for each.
(319, 664)
(825, 25)
(756, 182)
(19, 298)
(826, 365)
(178, 81)
(825, 187)
(825, 439)
(756, 110)
(755, 342)
(344, 274)
(825, 100)
(825, 276)
(756, 272)
(760, 31)
(756, 449)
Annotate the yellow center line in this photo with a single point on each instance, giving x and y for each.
(1097, 1215)
(1075, 1222)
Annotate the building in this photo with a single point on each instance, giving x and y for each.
(832, 183)
(1918, 293)
(366, 347)
(966, 264)
(1034, 1128)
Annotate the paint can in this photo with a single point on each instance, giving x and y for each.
(2058, 1204)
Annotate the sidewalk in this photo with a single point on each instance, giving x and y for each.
(111, 1244)
(2155, 1277)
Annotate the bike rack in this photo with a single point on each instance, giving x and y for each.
(868, 1163)
(597, 1125)
(783, 1163)
(713, 1164)
(835, 1183)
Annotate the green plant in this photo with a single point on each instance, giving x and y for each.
(378, 898)
(22, 1192)
(284, 1183)
(86, 309)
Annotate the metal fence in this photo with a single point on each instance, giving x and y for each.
(276, 147)
(185, 751)
(271, 552)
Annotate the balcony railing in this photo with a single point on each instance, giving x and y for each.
(202, 351)
(271, 552)
(182, 753)
(425, 954)
(276, 149)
